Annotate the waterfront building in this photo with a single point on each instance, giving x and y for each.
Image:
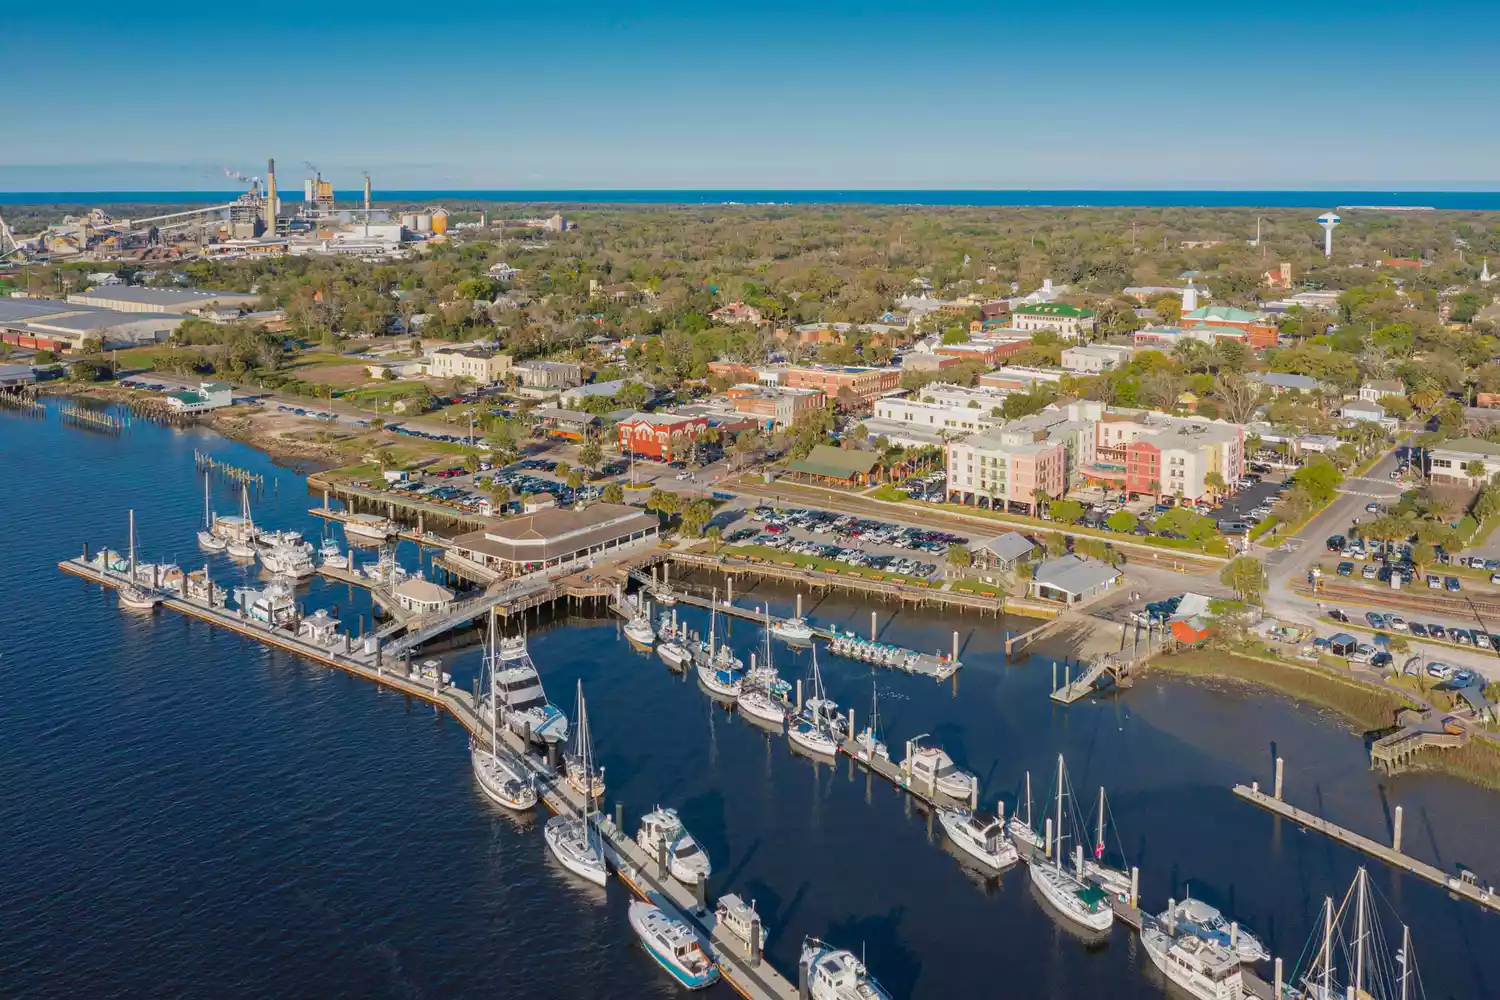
(53, 325)
(423, 597)
(830, 466)
(484, 367)
(208, 396)
(1071, 580)
(556, 538)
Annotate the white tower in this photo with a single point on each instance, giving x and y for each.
(1328, 220)
(1484, 272)
(1189, 298)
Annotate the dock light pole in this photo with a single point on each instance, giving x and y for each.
(873, 630)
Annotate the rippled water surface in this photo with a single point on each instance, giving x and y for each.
(188, 814)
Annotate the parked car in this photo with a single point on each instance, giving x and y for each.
(1375, 619)
(1345, 569)
(1419, 630)
(1450, 583)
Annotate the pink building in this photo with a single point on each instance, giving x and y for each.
(1005, 470)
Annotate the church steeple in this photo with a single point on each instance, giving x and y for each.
(1189, 298)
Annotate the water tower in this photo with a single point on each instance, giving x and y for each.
(1328, 220)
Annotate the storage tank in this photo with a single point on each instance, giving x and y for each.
(424, 223)
(409, 220)
(440, 221)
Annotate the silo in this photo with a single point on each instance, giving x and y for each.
(409, 220)
(440, 221)
(424, 223)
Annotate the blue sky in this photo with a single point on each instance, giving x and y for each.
(767, 95)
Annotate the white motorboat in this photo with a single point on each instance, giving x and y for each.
(206, 538)
(664, 597)
(931, 767)
(818, 728)
(1195, 917)
(288, 560)
(268, 541)
(686, 859)
(273, 605)
(575, 760)
(240, 550)
(200, 587)
(330, 556)
(132, 594)
(1065, 891)
(868, 740)
(575, 841)
(522, 702)
(674, 654)
(792, 630)
(640, 631)
(370, 526)
(385, 569)
(1203, 969)
(670, 940)
(835, 974)
(739, 918)
(979, 835)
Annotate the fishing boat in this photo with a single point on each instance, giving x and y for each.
(980, 835)
(835, 974)
(868, 741)
(522, 702)
(671, 942)
(501, 777)
(740, 919)
(272, 605)
(371, 526)
(575, 841)
(206, 538)
(792, 630)
(579, 777)
(385, 569)
(132, 594)
(664, 597)
(200, 587)
(686, 860)
(1065, 891)
(931, 767)
(1195, 917)
(640, 631)
(817, 728)
(330, 556)
(1022, 832)
(1348, 957)
(1203, 969)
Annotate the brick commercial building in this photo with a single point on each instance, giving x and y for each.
(664, 436)
(848, 384)
(1259, 329)
(775, 408)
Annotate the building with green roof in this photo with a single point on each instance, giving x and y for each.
(1068, 322)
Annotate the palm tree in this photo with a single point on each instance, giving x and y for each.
(1214, 480)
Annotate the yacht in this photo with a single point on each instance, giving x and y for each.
(385, 569)
(272, 605)
(1203, 969)
(132, 594)
(268, 541)
(575, 841)
(200, 587)
(523, 704)
(370, 526)
(330, 556)
(739, 918)
(1195, 917)
(867, 741)
(671, 942)
(686, 860)
(206, 538)
(792, 630)
(931, 767)
(501, 777)
(817, 728)
(288, 560)
(674, 654)
(835, 974)
(979, 835)
(1065, 891)
(579, 777)
(640, 631)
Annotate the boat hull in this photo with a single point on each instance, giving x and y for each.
(209, 541)
(1059, 889)
(379, 532)
(563, 842)
(639, 912)
(499, 782)
(999, 859)
(762, 709)
(813, 740)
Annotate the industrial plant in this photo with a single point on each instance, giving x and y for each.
(255, 224)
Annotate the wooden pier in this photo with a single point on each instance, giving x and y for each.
(1391, 853)
(392, 501)
(421, 535)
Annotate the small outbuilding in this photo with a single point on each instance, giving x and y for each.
(1003, 552)
(423, 597)
(1072, 579)
(1342, 644)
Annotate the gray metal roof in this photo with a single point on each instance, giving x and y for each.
(1075, 574)
(101, 319)
(165, 297)
(21, 310)
(1009, 547)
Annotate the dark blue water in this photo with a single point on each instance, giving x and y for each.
(188, 814)
(1321, 200)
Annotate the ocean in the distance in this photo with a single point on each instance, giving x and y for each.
(1321, 200)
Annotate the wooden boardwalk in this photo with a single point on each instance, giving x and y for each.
(1389, 853)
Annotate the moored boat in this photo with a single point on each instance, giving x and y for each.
(670, 940)
(979, 835)
(523, 703)
(371, 526)
(931, 768)
(792, 630)
(1065, 891)
(575, 761)
(1203, 969)
(835, 974)
(662, 829)
(1195, 917)
(640, 631)
(330, 555)
(575, 841)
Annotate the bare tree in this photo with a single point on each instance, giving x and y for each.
(1239, 395)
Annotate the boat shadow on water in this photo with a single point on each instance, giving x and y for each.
(1092, 941)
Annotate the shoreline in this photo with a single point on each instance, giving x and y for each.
(1370, 708)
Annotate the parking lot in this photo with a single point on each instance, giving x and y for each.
(854, 541)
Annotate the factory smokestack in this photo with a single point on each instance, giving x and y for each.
(271, 205)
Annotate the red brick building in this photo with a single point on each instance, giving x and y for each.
(864, 384)
(663, 436)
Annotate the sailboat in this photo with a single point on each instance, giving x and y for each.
(575, 841)
(1115, 881)
(1368, 972)
(242, 544)
(501, 777)
(1065, 891)
(574, 760)
(206, 538)
(868, 741)
(817, 728)
(763, 694)
(720, 671)
(132, 594)
(1023, 832)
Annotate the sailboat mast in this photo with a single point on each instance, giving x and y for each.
(1405, 959)
(1028, 802)
(1359, 936)
(1099, 840)
(132, 545)
(489, 655)
(1327, 947)
(1057, 855)
(208, 521)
